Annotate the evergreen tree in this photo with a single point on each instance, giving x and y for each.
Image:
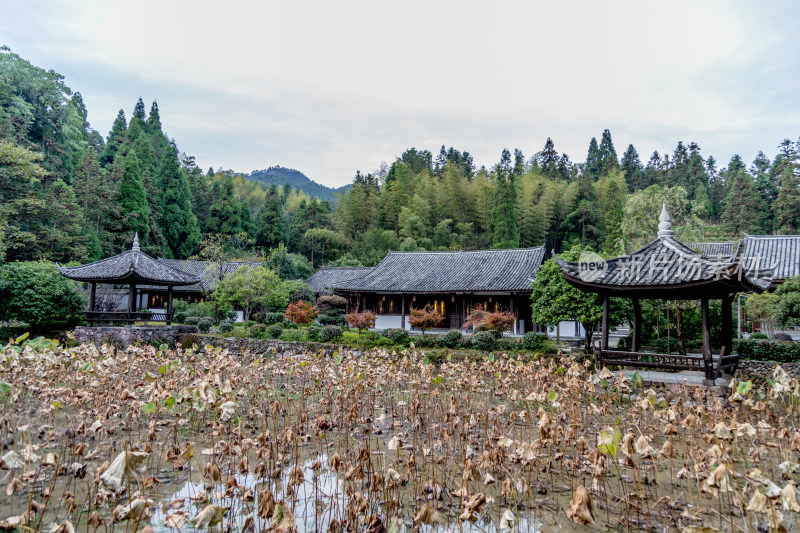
(96, 196)
(743, 209)
(549, 160)
(132, 200)
(607, 160)
(177, 222)
(594, 164)
(61, 236)
(787, 202)
(505, 226)
(632, 167)
(224, 215)
(116, 137)
(154, 119)
(269, 228)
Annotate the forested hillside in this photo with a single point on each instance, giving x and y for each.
(280, 176)
(68, 194)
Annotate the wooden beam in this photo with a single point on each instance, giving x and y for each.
(726, 337)
(707, 340)
(604, 341)
(169, 304)
(403, 312)
(92, 297)
(636, 343)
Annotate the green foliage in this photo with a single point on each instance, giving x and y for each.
(177, 221)
(331, 319)
(226, 326)
(786, 303)
(132, 199)
(273, 318)
(330, 333)
(484, 341)
(537, 342)
(768, 350)
(398, 336)
(292, 335)
(451, 339)
(758, 335)
(204, 324)
(249, 288)
(660, 345)
(274, 331)
(36, 293)
(313, 331)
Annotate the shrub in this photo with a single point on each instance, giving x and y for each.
(292, 335)
(759, 335)
(274, 331)
(273, 318)
(179, 317)
(425, 318)
(483, 320)
(328, 319)
(188, 340)
(660, 345)
(258, 331)
(506, 345)
(193, 320)
(330, 333)
(226, 326)
(425, 342)
(484, 341)
(37, 293)
(331, 301)
(534, 342)
(768, 350)
(397, 336)
(313, 331)
(286, 324)
(451, 339)
(300, 312)
(205, 324)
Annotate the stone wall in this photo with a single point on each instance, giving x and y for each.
(170, 335)
(757, 371)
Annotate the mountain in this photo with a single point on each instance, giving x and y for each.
(279, 176)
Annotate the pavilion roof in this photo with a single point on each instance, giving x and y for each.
(777, 254)
(326, 278)
(438, 272)
(665, 268)
(133, 266)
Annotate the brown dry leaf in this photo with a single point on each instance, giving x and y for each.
(266, 504)
(282, 519)
(581, 508)
(296, 476)
(210, 516)
(136, 510)
(14, 486)
(428, 515)
(122, 465)
(789, 499)
(65, 527)
(758, 503)
(335, 462)
(176, 520)
(473, 506)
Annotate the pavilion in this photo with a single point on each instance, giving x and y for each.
(133, 268)
(666, 269)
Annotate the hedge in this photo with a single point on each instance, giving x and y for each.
(769, 350)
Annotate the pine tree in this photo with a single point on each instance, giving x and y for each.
(549, 160)
(116, 137)
(177, 222)
(154, 119)
(593, 162)
(743, 209)
(96, 196)
(632, 167)
(505, 227)
(269, 228)
(787, 203)
(132, 200)
(607, 160)
(224, 216)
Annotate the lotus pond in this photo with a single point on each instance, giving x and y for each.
(203, 439)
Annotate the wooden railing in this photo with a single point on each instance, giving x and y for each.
(97, 317)
(717, 366)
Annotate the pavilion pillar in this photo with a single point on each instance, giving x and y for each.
(707, 360)
(92, 296)
(132, 301)
(726, 323)
(511, 310)
(636, 343)
(169, 304)
(403, 311)
(604, 337)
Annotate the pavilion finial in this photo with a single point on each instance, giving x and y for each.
(664, 223)
(135, 246)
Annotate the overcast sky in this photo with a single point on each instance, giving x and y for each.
(329, 88)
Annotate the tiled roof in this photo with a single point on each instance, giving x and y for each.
(208, 272)
(327, 277)
(716, 250)
(469, 271)
(778, 253)
(133, 266)
(662, 262)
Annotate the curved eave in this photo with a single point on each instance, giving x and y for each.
(130, 277)
(690, 290)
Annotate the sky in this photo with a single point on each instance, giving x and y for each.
(329, 88)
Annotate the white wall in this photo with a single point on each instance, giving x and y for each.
(388, 321)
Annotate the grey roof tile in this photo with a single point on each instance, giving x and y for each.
(778, 253)
(328, 277)
(467, 271)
